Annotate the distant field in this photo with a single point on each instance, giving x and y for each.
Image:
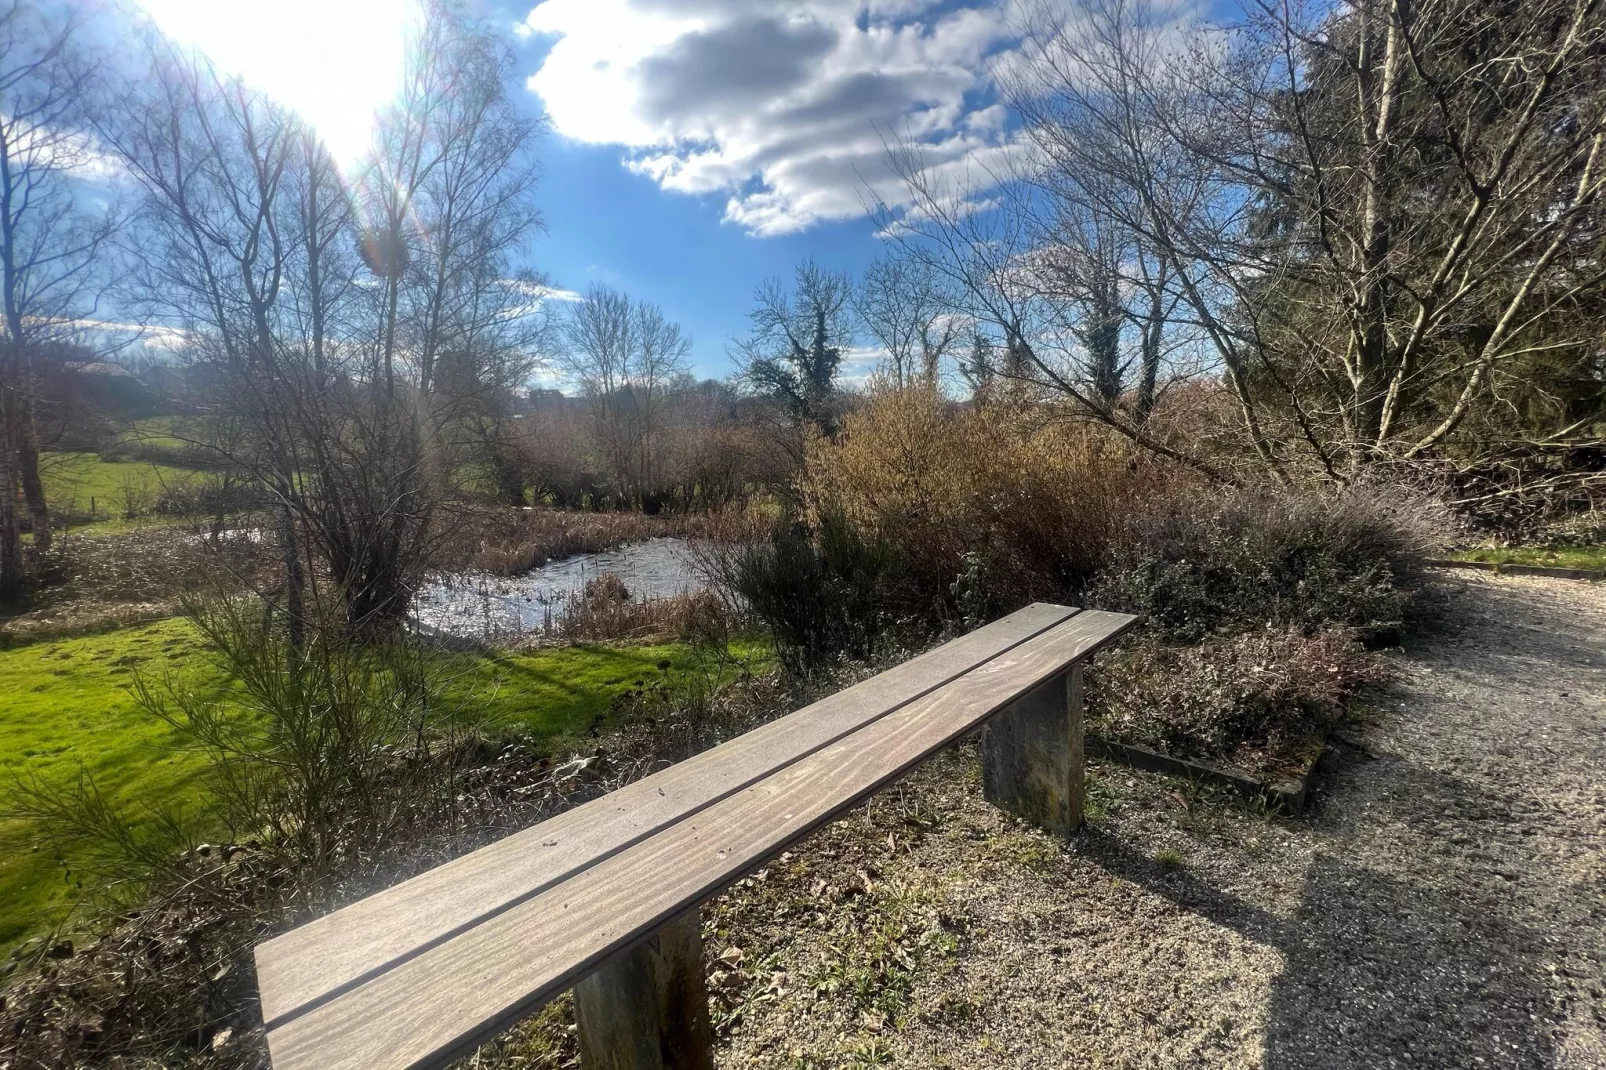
(67, 709)
(1586, 557)
(78, 484)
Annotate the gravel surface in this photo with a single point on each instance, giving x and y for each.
(1444, 904)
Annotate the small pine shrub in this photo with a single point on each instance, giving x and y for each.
(822, 593)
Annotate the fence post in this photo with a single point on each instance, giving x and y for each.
(1032, 755)
(647, 1008)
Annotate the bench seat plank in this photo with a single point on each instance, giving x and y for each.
(313, 963)
(465, 990)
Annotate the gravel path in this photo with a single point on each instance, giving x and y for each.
(1443, 906)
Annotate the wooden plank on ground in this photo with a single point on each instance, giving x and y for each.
(330, 954)
(459, 993)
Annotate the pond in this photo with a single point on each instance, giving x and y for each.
(486, 607)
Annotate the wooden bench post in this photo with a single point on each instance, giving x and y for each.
(1032, 755)
(647, 1008)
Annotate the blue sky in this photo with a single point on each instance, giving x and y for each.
(696, 146)
(607, 225)
(729, 139)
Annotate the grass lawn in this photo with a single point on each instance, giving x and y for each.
(72, 480)
(67, 708)
(1587, 557)
(171, 432)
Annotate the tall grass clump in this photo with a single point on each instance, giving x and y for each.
(506, 542)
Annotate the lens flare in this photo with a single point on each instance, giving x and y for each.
(335, 62)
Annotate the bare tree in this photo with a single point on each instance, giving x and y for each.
(600, 347)
(662, 367)
(626, 356)
(1377, 214)
(797, 341)
(51, 243)
(213, 159)
(350, 335)
(985, 236)
(901, 304)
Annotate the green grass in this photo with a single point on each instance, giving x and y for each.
(73, 480)
(1586, 557)
(169, 432)
(67, 708)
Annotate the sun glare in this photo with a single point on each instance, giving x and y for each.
(335, 62)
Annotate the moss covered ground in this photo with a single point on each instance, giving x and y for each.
(1586, 557)
(65, 708)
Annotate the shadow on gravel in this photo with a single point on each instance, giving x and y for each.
(1382, 971)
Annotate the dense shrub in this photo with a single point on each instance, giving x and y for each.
(1257, 697)
(989, 507)
(822, 592)
(924, 510)
(1203, 563)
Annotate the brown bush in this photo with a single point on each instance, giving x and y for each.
(104, 579)
(990, 507)
(1255, 698)
(597, 615)
(605, 589)
(1222, 560)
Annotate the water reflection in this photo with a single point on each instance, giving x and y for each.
(485, 607)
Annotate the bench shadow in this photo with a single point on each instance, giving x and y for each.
(1380, 970)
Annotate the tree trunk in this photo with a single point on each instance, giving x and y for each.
(33, 488)
(1153, 335)
(295, 602)
(13, 574)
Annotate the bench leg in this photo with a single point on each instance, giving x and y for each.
(1032, 755)
(647, 1008)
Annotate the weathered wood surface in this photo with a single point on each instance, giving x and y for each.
(1031, 755)
(318, 960)
(647, 1008)
(459, 993)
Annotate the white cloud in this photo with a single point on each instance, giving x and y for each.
(540, 292)
(52, 149)
(784, 108)
(151, 335)
(860, 363)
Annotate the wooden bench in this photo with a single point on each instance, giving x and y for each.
(604, 898)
